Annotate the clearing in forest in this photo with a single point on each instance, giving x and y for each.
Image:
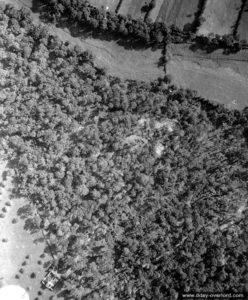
(178, 12)
(219, 17)
(243, 25)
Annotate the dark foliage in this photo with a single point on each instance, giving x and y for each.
(81, 13)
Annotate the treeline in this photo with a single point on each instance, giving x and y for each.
(81, 12)
(148, 33)
(141, 188)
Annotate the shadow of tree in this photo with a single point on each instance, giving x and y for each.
(209, 48)
(39, 240)
(31, 225)
(84, 31)
(51, 249)
(24, 211)
(47, 264)
(37, 6)
(63, 294)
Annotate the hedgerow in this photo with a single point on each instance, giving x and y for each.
(80, 13)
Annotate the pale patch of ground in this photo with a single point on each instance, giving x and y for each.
(20, 243)
(155, 11)
(169, 124)
(146, 127)
(159, 148)
(134, 139)
(222, 85)
(219, 16)
(13, 292)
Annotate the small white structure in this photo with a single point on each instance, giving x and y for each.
(13, 292)
(51, 279)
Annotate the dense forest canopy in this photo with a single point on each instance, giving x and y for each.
(141, 188)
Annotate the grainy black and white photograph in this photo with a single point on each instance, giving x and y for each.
(123, 149)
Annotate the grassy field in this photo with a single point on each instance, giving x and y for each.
(178, 12)
(221, 84)
(243, 25)
(219, 16)
(133, 8)
(110, 4)
(22, 257)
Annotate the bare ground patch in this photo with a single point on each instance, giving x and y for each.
(176, 12)
(220, 16)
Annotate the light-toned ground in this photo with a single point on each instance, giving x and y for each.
(133, 8)
(123, 63)
(155, 11)
(176, 12)
(110, 4)
(243, 25)
(219, 16)
(223, 85)
(215, 76)
(20, 243)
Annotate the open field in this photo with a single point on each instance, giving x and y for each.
(132, 64)
(243, 25)
(220, 16)
(132, 8)
(178, 12)
(222, 85)
(17, 242)
(110, 4)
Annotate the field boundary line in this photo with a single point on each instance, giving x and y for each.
(210, 58)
